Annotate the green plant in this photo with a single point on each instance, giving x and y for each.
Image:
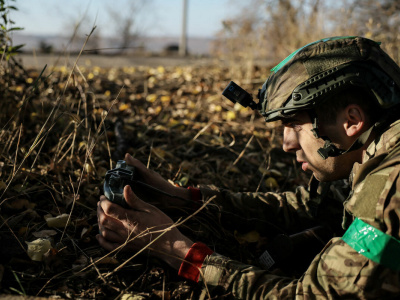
(6, 27)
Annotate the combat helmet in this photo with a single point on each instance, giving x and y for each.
(312, 74)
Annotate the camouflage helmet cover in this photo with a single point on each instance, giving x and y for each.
(326, 66)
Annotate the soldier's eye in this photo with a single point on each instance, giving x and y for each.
(296, 126)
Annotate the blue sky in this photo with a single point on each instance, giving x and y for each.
(158, 18)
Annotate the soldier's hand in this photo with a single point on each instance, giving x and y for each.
(157, 181)
(135, 228)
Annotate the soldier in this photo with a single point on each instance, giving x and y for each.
(338, 101)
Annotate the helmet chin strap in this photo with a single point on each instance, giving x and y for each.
(329, 149)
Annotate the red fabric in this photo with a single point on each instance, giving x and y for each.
(196, 193)
(190, 267)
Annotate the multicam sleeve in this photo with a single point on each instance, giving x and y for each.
(289, 211)
(221, 276)
(337, 272)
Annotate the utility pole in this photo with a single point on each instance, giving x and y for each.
(183, 41)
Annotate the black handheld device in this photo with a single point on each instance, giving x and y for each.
(115, 181)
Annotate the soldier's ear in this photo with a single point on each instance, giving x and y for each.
(354, 120)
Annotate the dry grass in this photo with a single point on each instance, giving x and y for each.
(63, 127)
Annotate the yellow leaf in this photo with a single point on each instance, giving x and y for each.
(124, 106)
(129, 70)
(183, 181)
(271, 183)
(96, 70)
(173, 122)
(215, 108)
(63, 69)
(82, 144)
(230, 115)
(17, 88)
(151, 98)
(158, 110)
(88, 168)
(161, 69)
(165, 98)
(90, 76)
(29, 80)
(158, 152)
(107, 93)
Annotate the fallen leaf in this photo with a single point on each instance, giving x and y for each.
(57, 222)
(271, 183)
(151, 98)
(37, 248)
(132, 297)
(165, 99)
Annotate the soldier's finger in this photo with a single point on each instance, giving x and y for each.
(112, 210)
(134, 201)
(135, 162)
(111, 235)
(106, 244)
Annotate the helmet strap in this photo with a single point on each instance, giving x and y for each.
(329, 149)
(314, 121)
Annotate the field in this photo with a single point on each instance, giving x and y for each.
(64, 126)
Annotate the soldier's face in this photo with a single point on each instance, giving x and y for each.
(298, 138)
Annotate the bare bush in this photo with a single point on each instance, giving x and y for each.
(269, 30)
(129, 23)
(380, 21)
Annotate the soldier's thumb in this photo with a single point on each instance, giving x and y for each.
(133, 201)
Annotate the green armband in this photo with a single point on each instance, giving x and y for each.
(373, 244)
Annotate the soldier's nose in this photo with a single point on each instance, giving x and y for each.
(290, 141)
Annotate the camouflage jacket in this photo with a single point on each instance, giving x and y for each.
(338, 271)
